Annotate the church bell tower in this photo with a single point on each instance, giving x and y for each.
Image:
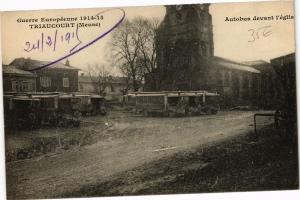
(184, 41)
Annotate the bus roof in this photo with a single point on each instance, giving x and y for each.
(68, 96)
(97, 96)
(26, 99)
(44, 96)
(174, 93)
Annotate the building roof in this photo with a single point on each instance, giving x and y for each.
(223, 62)
(255, 63)
(284, 59)
(10, 69)
(30, 64)
(260, 65)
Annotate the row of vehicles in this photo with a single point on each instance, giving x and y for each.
(32, 110)
(174, 103)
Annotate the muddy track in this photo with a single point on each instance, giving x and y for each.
(245, 163)
(129, 143)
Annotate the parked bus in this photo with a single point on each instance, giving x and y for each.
(174, 103)
(91, 104)
(33, 110)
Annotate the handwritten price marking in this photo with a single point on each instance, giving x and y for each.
(256, 34)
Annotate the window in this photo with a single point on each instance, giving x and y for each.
(45, 81)
(14, 86)
(65, 82)
(26, 86)
(112, 89)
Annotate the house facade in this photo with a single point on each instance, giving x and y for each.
(16, 80)
(85, 84)
(113, 91)
(58, 77)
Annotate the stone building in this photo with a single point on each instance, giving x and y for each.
(267, 84)
(58, 77)
(186, 61)
(285, 97)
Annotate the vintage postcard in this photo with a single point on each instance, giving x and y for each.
(174, 99)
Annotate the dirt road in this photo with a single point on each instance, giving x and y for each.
(130, 142)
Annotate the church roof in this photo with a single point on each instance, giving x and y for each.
(256, 63)
(223, 62)
(260, 65)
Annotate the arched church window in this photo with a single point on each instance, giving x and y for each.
(217, 77)
(226, 79)
(246, 85)
(194, 45)
(203, 49)
(270, 88)
(236, 83)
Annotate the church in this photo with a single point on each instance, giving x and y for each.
(186, 61)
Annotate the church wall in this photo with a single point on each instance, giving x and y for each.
(184, 51)
(235, 87)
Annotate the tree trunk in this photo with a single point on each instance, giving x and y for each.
(135, 85)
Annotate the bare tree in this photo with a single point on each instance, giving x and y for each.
(125, 70)
(125, 49)
(133, 49)
(101, 78)
(147, 45)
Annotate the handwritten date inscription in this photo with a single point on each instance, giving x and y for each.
(51, 41)
(71, 39)
(258, 33)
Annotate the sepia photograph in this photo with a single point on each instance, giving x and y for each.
(150, 100)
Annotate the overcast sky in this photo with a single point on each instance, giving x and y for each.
(231, 39)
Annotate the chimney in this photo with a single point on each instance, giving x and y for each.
(67, 63)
